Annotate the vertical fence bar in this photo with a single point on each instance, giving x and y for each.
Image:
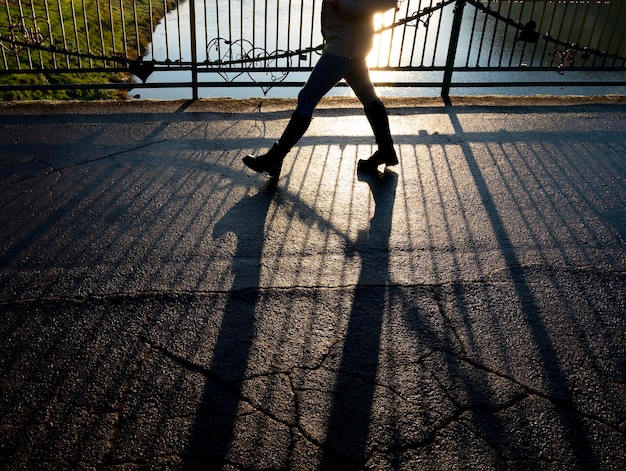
(607, 35)
(206, 27)
(254, 23)
(531, 62)
(180, 40)
(571, 24)
(123, 20)
(87, 39)
(402, 42)
(481, 41)
(5, 60)
(431, 33)
(167, 36)
(288, 47)
(544, 14)
(67, 58)
(416, 54)
(412, 38)
(494, 34)
(36, 28)
(151, 13)
(506, 30)
(194, 49)
(76, 38)
(614, 32)
(588, 6)
(505, 40)
(102, 49)
(241, 23)
(454, 41)
(311, 33)
(136, 22)
(437, 36)
(275, 44)
(265, 19)
(301, 24)
(112, 27)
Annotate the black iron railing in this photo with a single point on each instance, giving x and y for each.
(266, 44)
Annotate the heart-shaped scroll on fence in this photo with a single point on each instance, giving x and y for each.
(267, 69)
(234, 58)
(227, 56)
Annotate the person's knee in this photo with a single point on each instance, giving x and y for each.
(376, 103)
(305, 105)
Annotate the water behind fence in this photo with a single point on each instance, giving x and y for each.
(212, 44)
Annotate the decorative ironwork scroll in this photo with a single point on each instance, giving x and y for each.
(255, 62)
(23, 34)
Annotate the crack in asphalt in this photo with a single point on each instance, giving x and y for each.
(460, 411)
(459, 415)
(88, 161)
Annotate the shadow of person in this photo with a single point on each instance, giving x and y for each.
(214, 424)
(353, 397)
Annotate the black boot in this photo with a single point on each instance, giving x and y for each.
(272, 161)
(386, 154)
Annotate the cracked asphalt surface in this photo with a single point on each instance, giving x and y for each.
(161, 307)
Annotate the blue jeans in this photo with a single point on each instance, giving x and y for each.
(327, 73)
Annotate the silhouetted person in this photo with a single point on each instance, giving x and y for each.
(348, 29)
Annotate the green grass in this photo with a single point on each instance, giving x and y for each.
(107, 28)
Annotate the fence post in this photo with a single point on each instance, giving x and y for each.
(454, 42)
(194, 51)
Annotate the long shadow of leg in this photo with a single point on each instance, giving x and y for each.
(214, 424)
(351, 411)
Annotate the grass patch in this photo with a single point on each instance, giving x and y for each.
(94, 32)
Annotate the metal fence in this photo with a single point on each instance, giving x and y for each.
(253, 43)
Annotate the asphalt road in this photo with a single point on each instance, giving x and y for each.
(162, 307)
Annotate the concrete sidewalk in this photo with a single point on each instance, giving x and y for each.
(162, 307)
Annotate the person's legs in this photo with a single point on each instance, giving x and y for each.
(272, 161)
(328, 71)
(359, 80)
(385, 154)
